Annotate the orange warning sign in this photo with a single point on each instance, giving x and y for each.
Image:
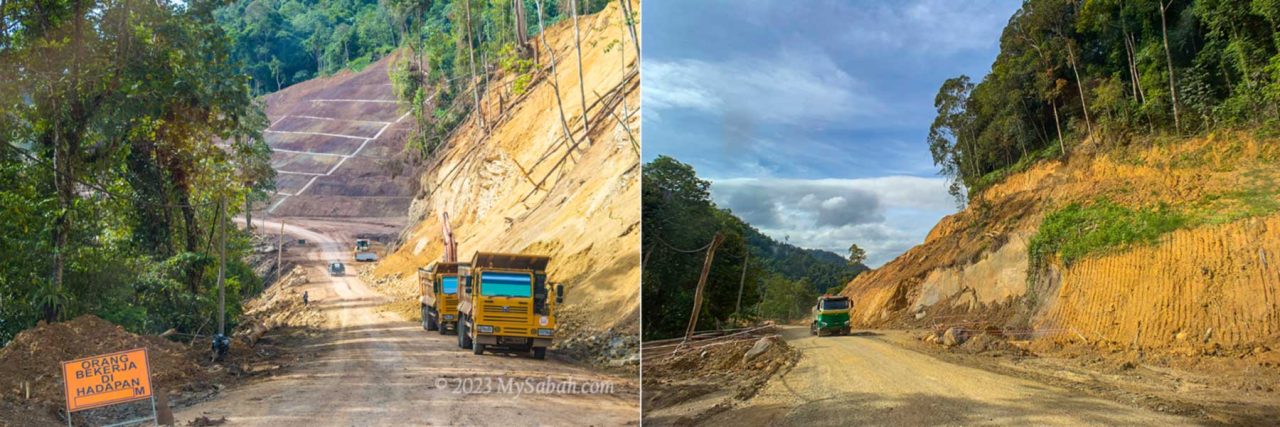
(107, 379)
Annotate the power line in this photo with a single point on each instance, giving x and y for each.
(664, 243)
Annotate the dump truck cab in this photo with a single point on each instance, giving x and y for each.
(363, 252)
(831, 315)
(506, 304)
(438, 294)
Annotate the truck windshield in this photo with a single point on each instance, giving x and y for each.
(835, 304)
(449, 284)
(518, 285)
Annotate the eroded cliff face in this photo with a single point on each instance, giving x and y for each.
(1214, 282)
(517, 184)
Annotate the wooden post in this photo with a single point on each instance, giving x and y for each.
(702, 282)
(279, 251)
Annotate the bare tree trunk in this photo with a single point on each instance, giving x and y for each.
(475, 85)
(521, 25)
(1173, 91)
(1058, 123)
(555, 76)
(582, 84)
(1071, 57)
(631, 24)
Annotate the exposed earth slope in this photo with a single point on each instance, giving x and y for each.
(517, 184)
(1212, 282)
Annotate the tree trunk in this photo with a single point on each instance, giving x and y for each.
(521, 26)
(475, 85)
(1173, 91)
(582, 84)
(555, 77)
(248, 214)
(1058, 123)
(1071, 57)
(631, 24)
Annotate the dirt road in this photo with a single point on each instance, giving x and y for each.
(376, 369)
(867, 380)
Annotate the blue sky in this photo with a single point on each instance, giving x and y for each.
(810, 117)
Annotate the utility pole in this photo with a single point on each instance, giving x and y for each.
(737, 308)
(222, 268)
(702, 282)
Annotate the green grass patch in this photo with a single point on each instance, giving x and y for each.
(1077, 231)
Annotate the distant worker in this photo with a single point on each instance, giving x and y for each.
(304, 297)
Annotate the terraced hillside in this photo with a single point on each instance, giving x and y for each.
(336, 142)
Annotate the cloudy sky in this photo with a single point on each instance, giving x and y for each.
(810, 117)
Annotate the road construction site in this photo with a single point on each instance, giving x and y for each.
(891, 377)
(366, 366)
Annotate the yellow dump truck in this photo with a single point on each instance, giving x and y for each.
(506, 305)
(438, 294)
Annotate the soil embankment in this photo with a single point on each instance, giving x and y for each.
(1197, 304)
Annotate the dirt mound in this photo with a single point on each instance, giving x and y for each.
(702, 380)
(31, 364)
(280, 305)
(518, 185)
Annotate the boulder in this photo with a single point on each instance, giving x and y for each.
(953, 336)
(757, 349)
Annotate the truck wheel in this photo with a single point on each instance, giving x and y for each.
(539, 353)
(477, 348)
(431, 321)
(813, 329)
(442, 327)
(426, 323)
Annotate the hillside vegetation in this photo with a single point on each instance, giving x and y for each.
(780, 281)
(123, 127)
(1107, 72)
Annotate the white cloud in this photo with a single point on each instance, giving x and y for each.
(792, 86)
(935, 27)
(885, 215)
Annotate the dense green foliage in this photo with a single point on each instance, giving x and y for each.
(110, 177)
(781, 281)
(1108, 69)
(453, 46)
(282, 42)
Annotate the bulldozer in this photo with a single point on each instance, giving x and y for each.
(831, 315)
(438, 285)
(505, 305)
